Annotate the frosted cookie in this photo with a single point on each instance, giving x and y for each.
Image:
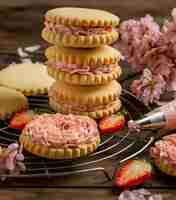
(164, 154)
(11, 101)
(80, 27)
(93, 101)
(58, 136)
(83, 66)
(28, 78)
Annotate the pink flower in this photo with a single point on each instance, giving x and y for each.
(11, 160)
(149, 87)
(171, 86)
(169, 37)
(145, 45)
(158, 62)
(137, 37)
(140, 194)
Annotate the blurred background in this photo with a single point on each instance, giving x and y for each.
(22, 20)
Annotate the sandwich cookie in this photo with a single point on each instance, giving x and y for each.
(83, 66)
(92, 101)
(80, 27)
(28, 78)
(11, 101)
(164, 154)
(59, 136)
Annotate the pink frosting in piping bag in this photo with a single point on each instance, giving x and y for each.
(170, 114)
(163, 117)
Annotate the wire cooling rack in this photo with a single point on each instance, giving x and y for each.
(121, 145)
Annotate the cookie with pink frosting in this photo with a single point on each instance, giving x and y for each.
(59, 136)
(164, 154)
(80, 27)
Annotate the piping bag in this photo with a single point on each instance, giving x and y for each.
(162, 118)
(159, 121)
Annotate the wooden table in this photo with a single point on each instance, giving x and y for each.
(16, 33)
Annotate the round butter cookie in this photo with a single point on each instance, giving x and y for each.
(92, 101)
(80, 27)
(11, 101)
(164, 154)
(83, 66)
(58, 136)
(28, 78)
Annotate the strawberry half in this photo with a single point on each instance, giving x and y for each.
(109, 29)
(112, 123)
(132, 173)
(20, 119)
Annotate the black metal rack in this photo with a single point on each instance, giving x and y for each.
(119, 145)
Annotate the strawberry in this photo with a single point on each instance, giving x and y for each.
(20, 119)
(109, 29)
(112, 123)
(132, 173)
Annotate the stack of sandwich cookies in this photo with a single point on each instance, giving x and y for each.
(84, 66)
(85, 70)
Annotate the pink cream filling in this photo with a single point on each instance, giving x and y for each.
(61, 131)
(85, 108)
(77, 31)
(165, 150)
(72, 106)
(79, 69)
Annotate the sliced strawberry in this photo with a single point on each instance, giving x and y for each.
(109, 29)
(132, 173)
(20, 119)
(112, 123)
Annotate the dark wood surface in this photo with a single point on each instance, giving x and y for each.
(70, 194)
(21, 24)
